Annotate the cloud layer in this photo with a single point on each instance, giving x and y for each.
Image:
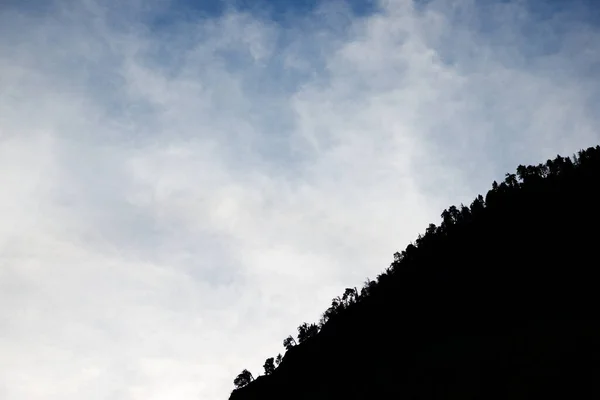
(176, 199)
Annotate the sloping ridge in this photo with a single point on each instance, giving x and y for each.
(498, 302)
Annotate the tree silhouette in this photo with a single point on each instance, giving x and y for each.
(269, 366)
(350, 296)
(306, 331)
(289, 342)
(369, 285)
(243, 379)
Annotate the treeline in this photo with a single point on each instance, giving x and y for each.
(514, 221)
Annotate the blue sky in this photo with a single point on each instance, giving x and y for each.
(184, 186)
(279, 10)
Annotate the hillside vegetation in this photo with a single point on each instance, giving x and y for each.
(497, 302)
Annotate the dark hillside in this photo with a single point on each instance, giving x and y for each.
(497, 302)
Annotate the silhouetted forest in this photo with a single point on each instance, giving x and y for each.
(500, 301)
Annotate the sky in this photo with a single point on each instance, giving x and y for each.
(183, 185)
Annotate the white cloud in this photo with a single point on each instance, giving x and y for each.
(175, 202)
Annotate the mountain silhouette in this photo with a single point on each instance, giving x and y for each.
(498, 301)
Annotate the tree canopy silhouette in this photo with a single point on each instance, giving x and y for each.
(289, 342)
(306, 331)
(269, 366)
(244, 378)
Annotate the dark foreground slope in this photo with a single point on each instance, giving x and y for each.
(498, 302)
